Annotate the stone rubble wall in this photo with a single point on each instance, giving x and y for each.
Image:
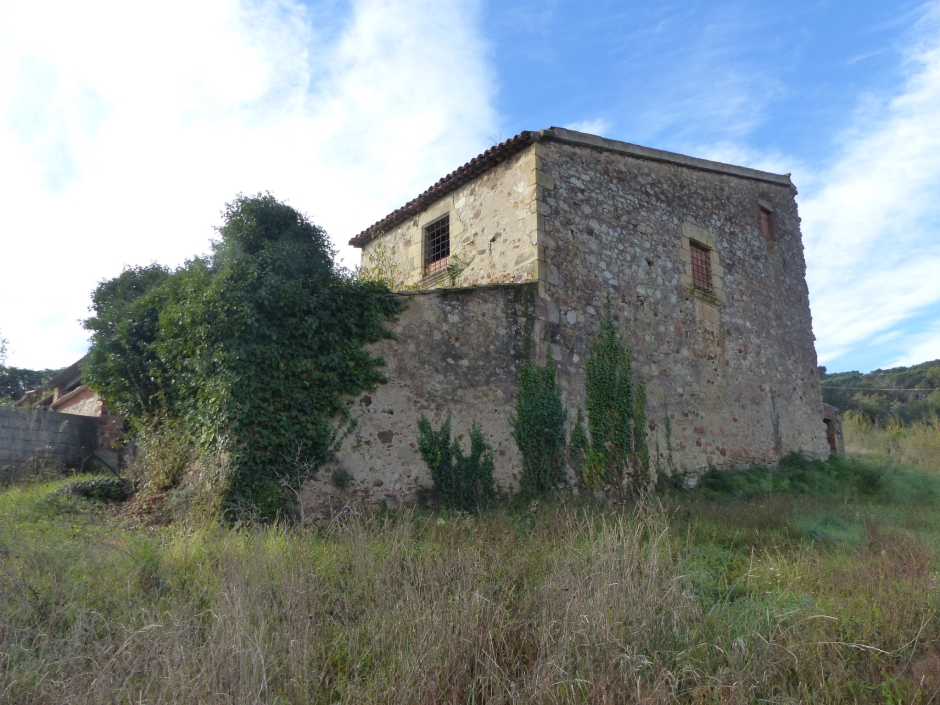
(493, 220)
(457, 352)
(734, 370)
(31, 435)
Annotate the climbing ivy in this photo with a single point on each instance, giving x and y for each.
(618, 454)
(465, 482)
(257, 349)
(578, 448)
(641, 451)
(538, 428)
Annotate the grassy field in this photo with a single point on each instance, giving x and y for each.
(915, 445)
(817, 582)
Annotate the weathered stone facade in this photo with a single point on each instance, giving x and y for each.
(493, 224)
(457, 352)
(727, 356)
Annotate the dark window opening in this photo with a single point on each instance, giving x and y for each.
(831, 435)
(701, 268)
(437, 245)
(767, 223)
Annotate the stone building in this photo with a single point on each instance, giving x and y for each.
(703, 263)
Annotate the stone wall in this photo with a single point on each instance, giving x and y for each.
(733, 367)
(736, 369)
(493, 220)
(457, 352)
(28, 435)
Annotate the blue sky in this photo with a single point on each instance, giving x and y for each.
(124, 128)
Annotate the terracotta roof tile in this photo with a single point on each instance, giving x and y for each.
(451, 182)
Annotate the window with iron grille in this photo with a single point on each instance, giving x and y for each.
(437, 245)
(767, 223)
(701, 267)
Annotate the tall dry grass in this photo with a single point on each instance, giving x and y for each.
(916, 445)
(564, 606)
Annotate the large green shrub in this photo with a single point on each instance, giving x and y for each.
(257, 349)
(538, 428)
(465, 482)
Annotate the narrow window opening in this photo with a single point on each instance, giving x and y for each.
(767, 223)
(701, 268)
(437, 245)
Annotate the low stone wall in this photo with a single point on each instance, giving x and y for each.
(457, 352)
(28, 436)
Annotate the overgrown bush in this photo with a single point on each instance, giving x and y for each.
(538, 428)
(162, 452)
(256, 350)
(465, 482)
(104, 487)
(799, 476)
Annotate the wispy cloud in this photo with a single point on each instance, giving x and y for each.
(125, 127)
(924, 347)
(714, 83)
(871, 231)
(597, 126)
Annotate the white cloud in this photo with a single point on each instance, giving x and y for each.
(871, 230)
(597, 126)
(125, 127)
(924, 347)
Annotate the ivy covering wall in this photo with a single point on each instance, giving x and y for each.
(256, 349)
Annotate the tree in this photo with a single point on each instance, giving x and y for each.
(257, 349)
(123, 364)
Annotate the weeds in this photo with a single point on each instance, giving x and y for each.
(916, 445)
(814, 583)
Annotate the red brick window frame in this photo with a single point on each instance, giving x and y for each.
(701, 267)
(767, 222)
(437, 245)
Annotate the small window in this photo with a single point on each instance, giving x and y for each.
(437, 245)
(701, 267)
(767, 222)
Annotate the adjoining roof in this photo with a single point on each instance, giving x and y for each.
(67, 379)
(501, 152)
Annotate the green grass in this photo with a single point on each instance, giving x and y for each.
(817, 582)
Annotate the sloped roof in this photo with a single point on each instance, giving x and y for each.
(454, 180)
(503, 151)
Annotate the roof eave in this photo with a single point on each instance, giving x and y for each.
(457, 178)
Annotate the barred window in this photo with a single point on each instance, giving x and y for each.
(767, 222)
(701, 267)
(437, 245)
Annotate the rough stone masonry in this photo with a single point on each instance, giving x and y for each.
(703, 265)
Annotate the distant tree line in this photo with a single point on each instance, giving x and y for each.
(16, 381)
(902, 394)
